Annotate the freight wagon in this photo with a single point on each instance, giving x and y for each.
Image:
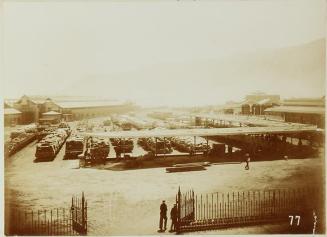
(48, 148)
(97, 150)
(160, 146)
(74, 147)
(19, 139)
(122, 145)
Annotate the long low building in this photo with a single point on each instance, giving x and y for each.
(204, 132)
(33, 108)
(301, 110)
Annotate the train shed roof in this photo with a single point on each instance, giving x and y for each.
(203, 132)
(297, 109)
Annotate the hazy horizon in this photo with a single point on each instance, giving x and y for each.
(165, 53)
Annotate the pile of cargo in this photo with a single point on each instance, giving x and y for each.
(186, 144)
(49, 146)
(74, 146)
(45, 132)
(122, 145)
(157, 146)
(97, 149)
(19, 139)
(66, 127)
(30, 129)
(146, 143)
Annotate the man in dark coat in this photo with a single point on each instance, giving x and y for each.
(163, 215)
(173, 216)
(247, 160)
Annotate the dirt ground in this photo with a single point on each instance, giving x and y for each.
(127, 202)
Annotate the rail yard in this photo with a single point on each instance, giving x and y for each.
(125, 137)
(177, 151)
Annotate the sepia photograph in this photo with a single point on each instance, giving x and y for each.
(163, 117)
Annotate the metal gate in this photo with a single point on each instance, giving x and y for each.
(221, 210)
(79, 214)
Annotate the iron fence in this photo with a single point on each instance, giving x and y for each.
(219, 210)
(53, 222)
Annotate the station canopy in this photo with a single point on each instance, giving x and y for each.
(297, 109)
(204, 132)
(247, 120)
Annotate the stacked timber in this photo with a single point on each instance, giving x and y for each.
(122, 145)
(19, 139)
(49, 146)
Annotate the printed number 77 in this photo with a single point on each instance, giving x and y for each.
(296, 217)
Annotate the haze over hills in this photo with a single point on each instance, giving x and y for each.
(297, 71)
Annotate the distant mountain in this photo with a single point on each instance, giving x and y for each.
(293, 71)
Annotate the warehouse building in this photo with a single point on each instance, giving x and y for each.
(253, 104)
(39, 108)
(30, 108)
(301, 110)
(256, 103)
(11, 116)
(76, 110)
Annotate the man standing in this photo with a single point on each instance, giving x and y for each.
(173, 216)
(163, 215)
(247, 160)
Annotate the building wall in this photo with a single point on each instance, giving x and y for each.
(314, 119)
(11, 119)
(29, 109)
(246, 109)
(258, 109)
(304, 118)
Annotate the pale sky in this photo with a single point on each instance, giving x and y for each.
(62, 47)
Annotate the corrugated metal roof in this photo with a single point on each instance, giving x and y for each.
(297, 109)
(87, 104)
(8, 111)
(201, 132)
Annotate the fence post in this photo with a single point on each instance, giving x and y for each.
(274, 203)
(83, 216)
(193, 206)
(178, 226)
(228, 214)
(50, 222)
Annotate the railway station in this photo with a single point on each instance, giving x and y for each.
(201, 143)
(125, 137)
(154, 118)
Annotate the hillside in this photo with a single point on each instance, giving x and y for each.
(293, 71)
